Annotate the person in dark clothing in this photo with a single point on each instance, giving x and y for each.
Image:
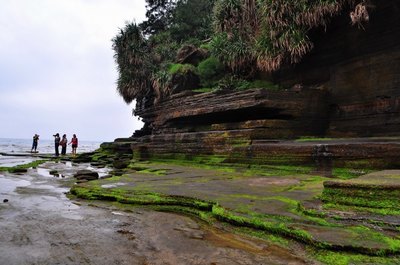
(35, 143)
(56, 143)
(63, 144)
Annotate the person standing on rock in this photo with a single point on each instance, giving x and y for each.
(35, 143)
(63, 144)
(74, 142)
(56, 143)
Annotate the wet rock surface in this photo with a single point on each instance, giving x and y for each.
(272, 201)
(40, 225)
(86, 175)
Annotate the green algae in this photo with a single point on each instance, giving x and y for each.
(293, 206)
(337, 258)
(363, 197)
(349, 173)
(137, 197)
(352, 208)
(100, 154)
(275, 239)
(280, 227)
(159, 172)
(23, 167)
(202, 162)
(392, 243)
(208, 210)
(145, 169)
(276, 170)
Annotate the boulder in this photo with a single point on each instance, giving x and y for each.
(190, 54)
(185, 80)
(121, 163)
(86, 175)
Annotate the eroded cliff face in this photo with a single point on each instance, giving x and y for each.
(359, 67)
(277, 114)
(216, 123)
(349, 86)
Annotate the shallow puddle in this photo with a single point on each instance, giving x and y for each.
(114, 185)
(8, 186)
(11, 161)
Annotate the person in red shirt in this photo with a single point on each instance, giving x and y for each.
(74, 142)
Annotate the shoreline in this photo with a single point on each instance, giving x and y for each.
(290, 203)
(60, 229)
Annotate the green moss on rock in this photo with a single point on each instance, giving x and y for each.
(363, 195)
(24, 167)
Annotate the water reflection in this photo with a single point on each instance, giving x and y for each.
(49, 173)
(8, 186)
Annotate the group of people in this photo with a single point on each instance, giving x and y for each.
(63, 142)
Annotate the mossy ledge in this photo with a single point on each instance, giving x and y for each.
(22, 168)
(139, 198)
(208, 211)
(362, 194)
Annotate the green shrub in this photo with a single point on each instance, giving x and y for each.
(209, 70)
(206, 46)
(232, 82)
(181, 68)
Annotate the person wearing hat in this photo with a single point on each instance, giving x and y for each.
(57, 143)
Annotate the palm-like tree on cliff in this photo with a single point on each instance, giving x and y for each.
(248, 37)
(132, 57)
(267, 33)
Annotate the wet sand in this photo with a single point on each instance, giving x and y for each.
(40, 225)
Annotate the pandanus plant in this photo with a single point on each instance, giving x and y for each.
(275, 31)
(131, 54)
(235, 25)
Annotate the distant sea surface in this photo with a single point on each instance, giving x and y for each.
(21, 146)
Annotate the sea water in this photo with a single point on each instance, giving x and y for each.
(23, 146)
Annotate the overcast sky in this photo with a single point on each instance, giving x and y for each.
(57, 71)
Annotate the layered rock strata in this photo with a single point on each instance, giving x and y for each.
(348, 86)
(359, 67)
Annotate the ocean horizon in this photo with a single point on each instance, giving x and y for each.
(45, 146)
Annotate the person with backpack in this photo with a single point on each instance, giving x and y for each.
(63, 144)
(74, 142)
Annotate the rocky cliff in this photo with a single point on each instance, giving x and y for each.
(359, 67)
(347, 86)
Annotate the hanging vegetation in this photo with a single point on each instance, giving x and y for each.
(235, 24)
(360, 14)
(275, 30)
(134, 64)
(245, 36)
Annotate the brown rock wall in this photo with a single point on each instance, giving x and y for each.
(350, 88)
(365, 99)
(257, 108)
(359, 68)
